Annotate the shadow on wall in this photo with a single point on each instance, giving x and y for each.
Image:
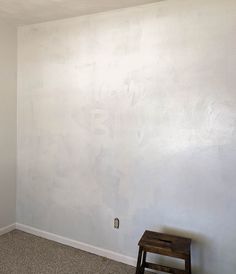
(199, 244)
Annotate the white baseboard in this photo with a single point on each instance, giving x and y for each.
(7, 229)
(79, 245)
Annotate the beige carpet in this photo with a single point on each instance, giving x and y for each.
(22, 253)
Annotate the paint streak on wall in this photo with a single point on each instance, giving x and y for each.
(131, 113)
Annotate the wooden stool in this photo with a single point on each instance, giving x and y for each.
(166, 245)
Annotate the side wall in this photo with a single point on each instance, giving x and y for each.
(8, 51)
(132, 114)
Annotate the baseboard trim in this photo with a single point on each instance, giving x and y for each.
(79, 245)
(7, 229)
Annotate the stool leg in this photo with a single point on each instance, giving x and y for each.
(143, 262)
(138, 268)
(188, 265)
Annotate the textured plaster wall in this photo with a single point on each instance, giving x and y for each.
(8, 50)
(132, 113)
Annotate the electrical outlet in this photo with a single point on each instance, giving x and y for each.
(116, 223)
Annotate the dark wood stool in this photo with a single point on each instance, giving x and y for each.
(167, 245)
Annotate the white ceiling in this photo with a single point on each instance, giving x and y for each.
(33, 11)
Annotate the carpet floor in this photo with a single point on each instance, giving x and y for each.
(22, 253)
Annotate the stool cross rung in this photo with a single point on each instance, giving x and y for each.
(164, 268)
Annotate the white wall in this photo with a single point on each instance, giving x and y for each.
(132, 113)
(8, 43)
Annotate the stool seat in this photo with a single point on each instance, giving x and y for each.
(167, 245)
